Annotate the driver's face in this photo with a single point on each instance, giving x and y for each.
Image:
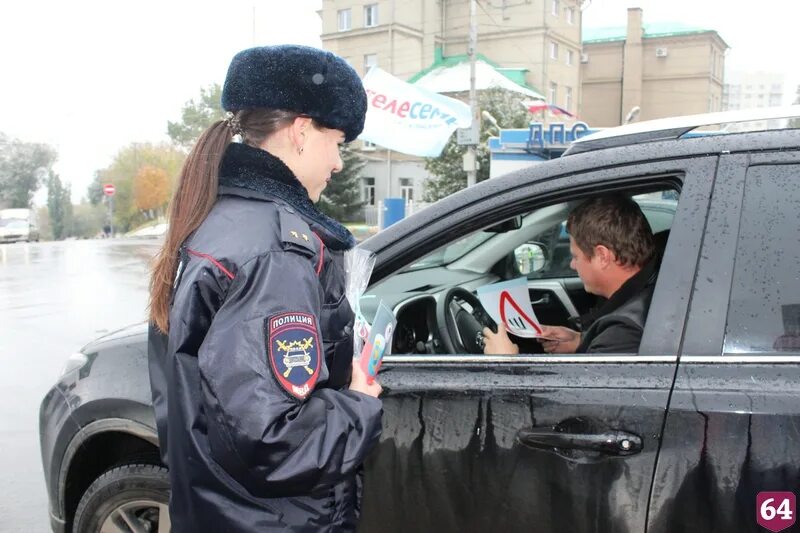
(588, 269)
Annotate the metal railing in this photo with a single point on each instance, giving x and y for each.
(373, 214)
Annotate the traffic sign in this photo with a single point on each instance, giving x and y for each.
(109, 189)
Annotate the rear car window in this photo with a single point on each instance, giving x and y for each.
(764, 311)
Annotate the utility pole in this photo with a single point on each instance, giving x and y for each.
(391, 71)
(111, 214)
(471, 158)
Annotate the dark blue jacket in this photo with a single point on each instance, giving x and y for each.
(254, 420)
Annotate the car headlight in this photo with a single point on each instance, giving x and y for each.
(74, 362)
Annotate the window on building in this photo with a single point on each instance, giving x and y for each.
(345, 19)
(570, 15)
(764, 309)
(554, 7)
(568, 98)
(370, 15)
(714, 62)
(407, 189)
(570, 57)
(553, 50)
(368, 191)
(366, 145)
(553, 93)
(370, 60)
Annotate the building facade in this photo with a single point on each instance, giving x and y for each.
(747, 90)
(540, 38)
(650, 71)
(403, 37)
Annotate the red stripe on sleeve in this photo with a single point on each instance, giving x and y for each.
(321, 253)
(216, 263)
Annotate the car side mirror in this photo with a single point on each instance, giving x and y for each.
(531, 257)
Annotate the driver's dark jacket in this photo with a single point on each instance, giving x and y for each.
(617, 325)
(244, 452)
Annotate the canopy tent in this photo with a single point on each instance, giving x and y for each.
(453, 77)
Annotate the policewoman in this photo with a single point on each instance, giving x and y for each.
(263, 420)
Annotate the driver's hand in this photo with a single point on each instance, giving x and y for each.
(498, 343)
(558, 339)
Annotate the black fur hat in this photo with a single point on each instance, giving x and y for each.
(298, 78)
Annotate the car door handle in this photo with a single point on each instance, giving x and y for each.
(544, 300)
(612, 442)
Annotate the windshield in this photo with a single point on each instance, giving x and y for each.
(451, 252)
(13, 223)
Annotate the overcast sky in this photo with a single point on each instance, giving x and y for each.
(91, 77)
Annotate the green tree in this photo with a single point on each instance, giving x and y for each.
(59, 207)
(795, 122)
(95, 191)
(448, 169)
(45, 231)
(122, 171)
(88, 219)
(196, 116)
(341, 199)
(23, 169)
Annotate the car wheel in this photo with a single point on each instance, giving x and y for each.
(126, 499)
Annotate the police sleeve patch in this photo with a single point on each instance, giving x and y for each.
(293, 352)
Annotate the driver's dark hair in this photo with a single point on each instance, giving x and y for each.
(616, 222)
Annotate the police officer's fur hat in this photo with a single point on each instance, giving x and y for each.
(301, 79)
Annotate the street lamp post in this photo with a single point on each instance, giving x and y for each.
(471, 161)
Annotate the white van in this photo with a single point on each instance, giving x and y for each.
(18, 225)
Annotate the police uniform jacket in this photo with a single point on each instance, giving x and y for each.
(254, 420)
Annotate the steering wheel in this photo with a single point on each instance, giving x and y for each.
(460, 330)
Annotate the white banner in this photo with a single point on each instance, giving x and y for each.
(408, 119)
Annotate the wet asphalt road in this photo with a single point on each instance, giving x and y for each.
(54, 298)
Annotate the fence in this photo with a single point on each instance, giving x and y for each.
(373, 214)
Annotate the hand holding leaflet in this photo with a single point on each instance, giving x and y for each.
(508, 303)
(379, 342)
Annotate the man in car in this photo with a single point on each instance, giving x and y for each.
(614, 254)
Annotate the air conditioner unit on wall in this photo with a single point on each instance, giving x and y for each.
(584, 58)
(661, 52)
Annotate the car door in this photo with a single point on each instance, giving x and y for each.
(733, 429)
(546, 443)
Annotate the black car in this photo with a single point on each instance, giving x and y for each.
(682, 436)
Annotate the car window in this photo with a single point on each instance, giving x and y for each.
(764, 311)
(451, 252)
(16, 224)
(659, 209)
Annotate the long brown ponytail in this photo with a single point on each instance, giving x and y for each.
(196, 193)
(192, 201)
